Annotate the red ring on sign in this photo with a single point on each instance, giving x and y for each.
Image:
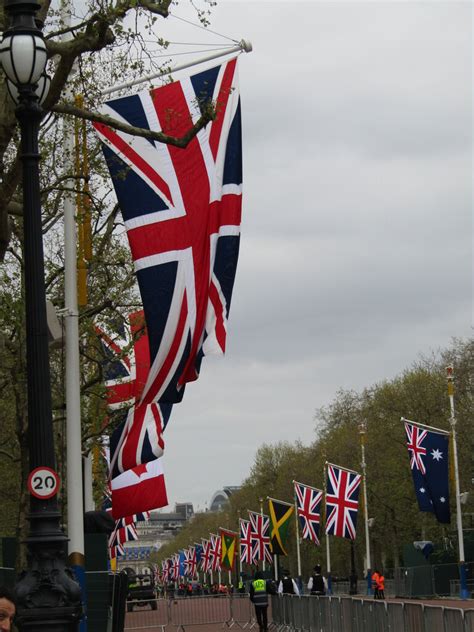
(55, 489)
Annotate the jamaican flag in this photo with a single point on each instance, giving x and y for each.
(280, 515)
(228, 548)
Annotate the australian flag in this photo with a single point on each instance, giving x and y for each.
(182, 211)
(428, 450)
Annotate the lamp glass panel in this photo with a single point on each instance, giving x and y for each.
(28, 53)
(5, 57)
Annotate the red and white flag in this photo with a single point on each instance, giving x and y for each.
(139, 489)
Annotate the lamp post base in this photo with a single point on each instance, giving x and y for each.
(48, 597)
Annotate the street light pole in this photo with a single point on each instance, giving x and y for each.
(48, 598)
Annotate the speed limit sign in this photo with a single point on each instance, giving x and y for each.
(43, 482)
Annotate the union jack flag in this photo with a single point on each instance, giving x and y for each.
(174, 567)
(165, 570)
(206, 561)
(138, 439)
(182, 211)
(415, 438)
(127, 361)
(259, 527)
(122, 535)
(215, 553)
(245, 541)
(308, 504)
(342, 502)
(116, 551)
(191, 562)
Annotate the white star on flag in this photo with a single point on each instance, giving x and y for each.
(442, 499)
(437, 455)
(422, 490)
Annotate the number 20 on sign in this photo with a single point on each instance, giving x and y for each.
(43, 482)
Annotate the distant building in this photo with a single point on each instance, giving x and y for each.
(221, 498)
(153, 533)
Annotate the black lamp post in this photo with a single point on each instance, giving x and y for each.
(48, 597)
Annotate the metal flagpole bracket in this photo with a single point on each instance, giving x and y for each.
(244, 46)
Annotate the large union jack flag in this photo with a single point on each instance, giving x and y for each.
(308, 505)
(342, 502)
(182, 211)
(245, 541)
(259, 528)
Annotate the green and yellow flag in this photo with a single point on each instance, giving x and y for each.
(280, 515)
(228, 548)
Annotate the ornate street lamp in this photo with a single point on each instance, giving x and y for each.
(47, 594)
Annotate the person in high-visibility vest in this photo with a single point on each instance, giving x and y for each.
(375, 580)
(381, 586)
(259, 598)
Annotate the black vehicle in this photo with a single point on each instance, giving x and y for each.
(141, 591)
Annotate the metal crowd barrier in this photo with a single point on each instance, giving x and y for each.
(341, 614)
(181, 612)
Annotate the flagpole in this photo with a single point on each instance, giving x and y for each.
(297, 532)
(240, 552)
(464, 593)
(328, 554)
(242, 46)
(261, 513)
(362, 432)
(75, 510)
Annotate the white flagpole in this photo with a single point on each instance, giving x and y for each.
(242, 46)
(75, 511)
(261, 513)
(328, 553)
(464, 593)
(362, 432)
(297, 532)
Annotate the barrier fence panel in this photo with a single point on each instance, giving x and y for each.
(155, 614)
(414, 617)
(199, 610)
(297, 617)
(325, 617)
(347, 613)
(359, 625)
(303, 613)
(277, 609)
(380, 617)
(336, 616)
(434, 618)
(468, 621)
(395, 616)
(242, 610)
(314, 607)
(453, 620)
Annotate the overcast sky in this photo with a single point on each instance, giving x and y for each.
(356, 235)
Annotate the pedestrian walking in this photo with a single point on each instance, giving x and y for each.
(259, 598)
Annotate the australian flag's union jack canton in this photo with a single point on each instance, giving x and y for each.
(182, 211)
(342, 502)
(428, 450)
(308, 503)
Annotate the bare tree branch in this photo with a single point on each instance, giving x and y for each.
(208, 114)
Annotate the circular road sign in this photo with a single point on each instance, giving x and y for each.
(43, 482)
